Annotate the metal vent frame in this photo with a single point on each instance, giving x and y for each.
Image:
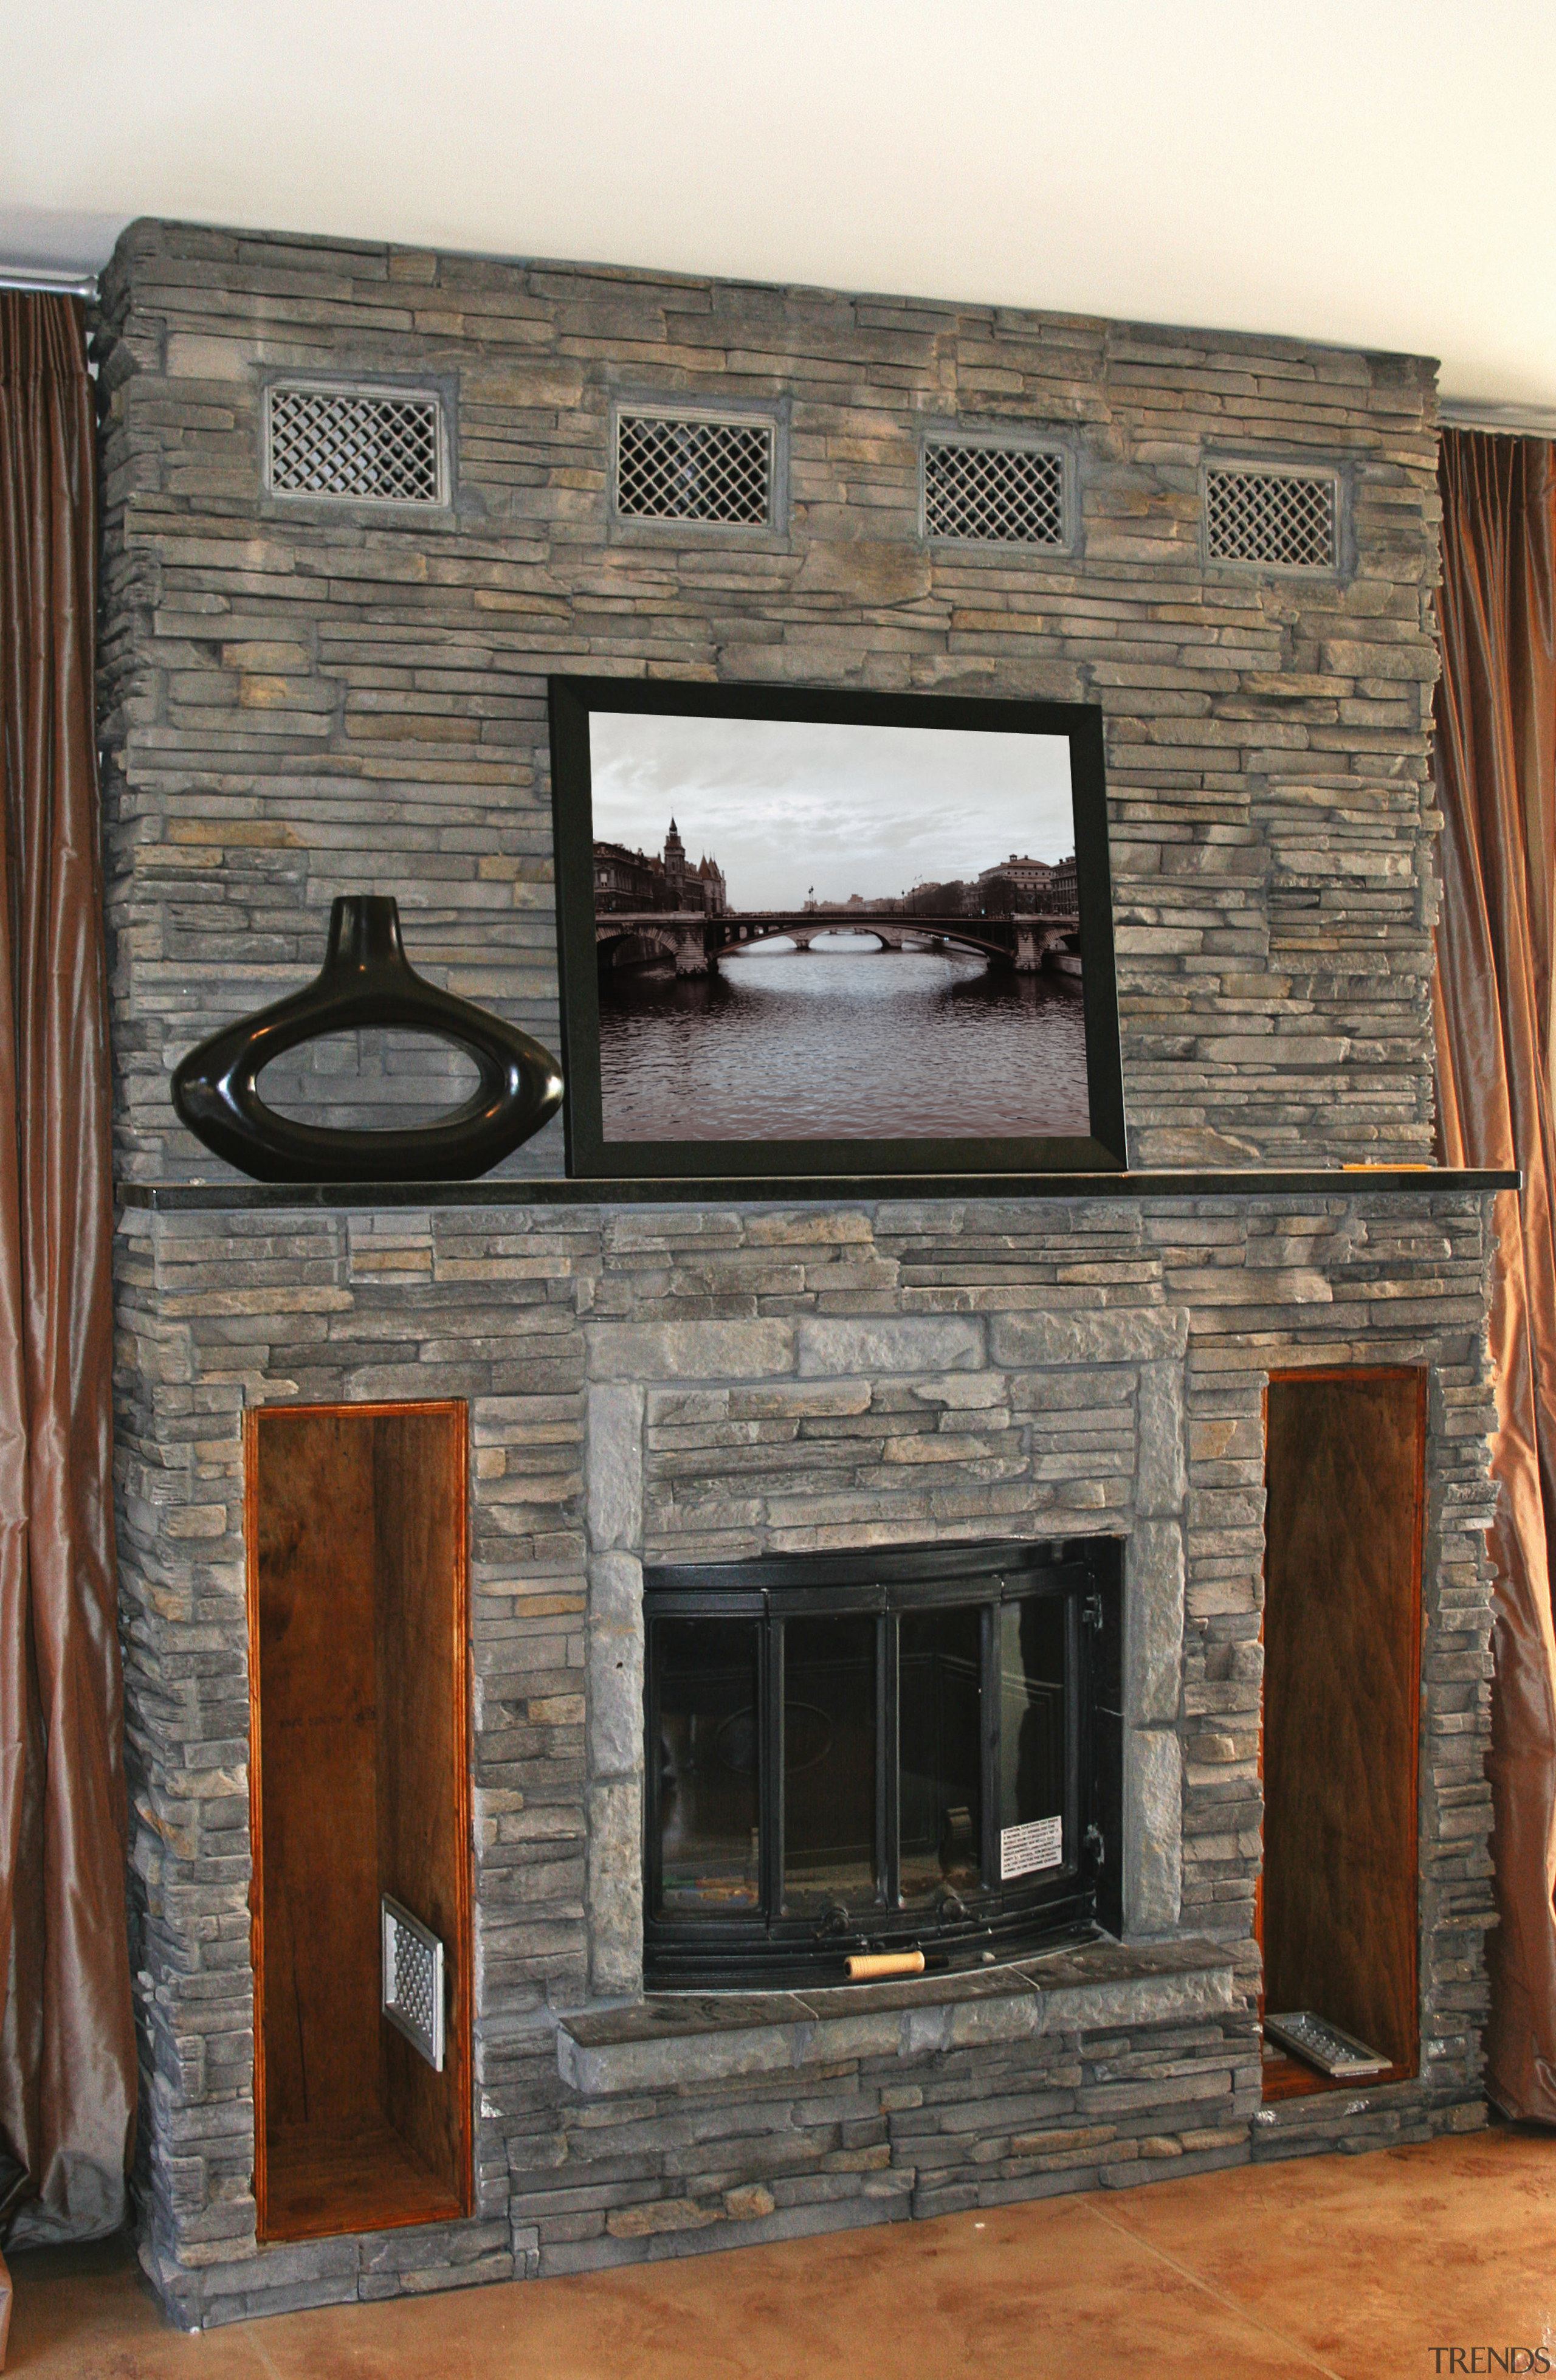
(413, 1995)
(996, 441)
(433, 500)
(1278, 472)
(998, 444)
(737, 416)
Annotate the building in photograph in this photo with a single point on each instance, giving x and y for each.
(1027, 878)
(675, 868)
(1019, 883)
(628, 882)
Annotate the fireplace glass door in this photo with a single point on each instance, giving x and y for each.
(709, 1684)
(878, 1752)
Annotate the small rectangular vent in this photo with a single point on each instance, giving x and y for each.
(689, 469)
(1284, 520)
(1001, 495)
(357, 445)
(413, 1987)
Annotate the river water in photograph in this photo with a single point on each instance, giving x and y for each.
(843, 1041)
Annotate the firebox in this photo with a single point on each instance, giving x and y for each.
(918, 1749)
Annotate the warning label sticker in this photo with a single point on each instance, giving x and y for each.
(1024, 1850)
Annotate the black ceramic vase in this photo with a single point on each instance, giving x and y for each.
(366, 980)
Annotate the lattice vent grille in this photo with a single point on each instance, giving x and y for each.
(413, 1981)
(1007, 496)
(693, 470)
(413, 1986)
(1285, 519)
(358, 445)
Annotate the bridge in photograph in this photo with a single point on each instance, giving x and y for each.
(697, 942)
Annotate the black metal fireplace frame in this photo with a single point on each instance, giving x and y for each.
(1077, 1901)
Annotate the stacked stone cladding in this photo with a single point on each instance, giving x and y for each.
(704, 1382)
(302, 699)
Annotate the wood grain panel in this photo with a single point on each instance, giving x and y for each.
(1344, 1457)
(423, 1774)
(360, 1783)
(318, 1706)
(355, 2177)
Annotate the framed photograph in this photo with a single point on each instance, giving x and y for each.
(832, 934)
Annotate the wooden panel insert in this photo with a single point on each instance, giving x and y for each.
(1344, 1476)
(359, 1785)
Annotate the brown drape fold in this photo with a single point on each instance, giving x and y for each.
(66, 2038)
(1496, 759)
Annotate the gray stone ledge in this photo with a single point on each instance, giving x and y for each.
(676, 2037)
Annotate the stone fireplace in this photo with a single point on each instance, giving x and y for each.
(307, 697)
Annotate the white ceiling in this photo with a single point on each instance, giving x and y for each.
(1379, 173)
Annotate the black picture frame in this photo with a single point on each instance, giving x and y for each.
(575, 699)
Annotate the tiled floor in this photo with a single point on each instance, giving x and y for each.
(1348, 2266)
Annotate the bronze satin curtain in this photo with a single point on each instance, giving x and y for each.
(1496, 757)
(66, 2039)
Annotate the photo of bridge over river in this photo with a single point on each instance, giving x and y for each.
(808, 930)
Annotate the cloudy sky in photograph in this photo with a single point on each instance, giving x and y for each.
(784, 804)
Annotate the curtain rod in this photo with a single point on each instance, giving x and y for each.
(1512, 420)
(43, 284)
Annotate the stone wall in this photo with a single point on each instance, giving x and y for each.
(703, 1380)
(301, 702)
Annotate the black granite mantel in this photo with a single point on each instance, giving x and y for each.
(769, 1190)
